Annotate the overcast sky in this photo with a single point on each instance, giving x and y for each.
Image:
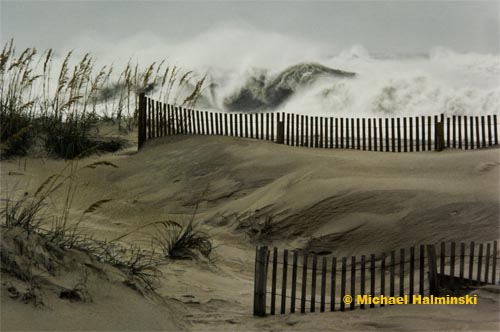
(380, 26)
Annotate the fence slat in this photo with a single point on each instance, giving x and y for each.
(452, 259)
(262, 131)
(487, 263)
(353, 281)
(207, 123)
(495, 127)
(454, 131)
(294, 281)
(273, 280)
(246, 126)
(363, 279)
(399, 134)
(429, 133)
(490, 141)
(422, 270)
(333, 283)
(494, 265)
(313, 283)
(381, 136)
(304, 129)
(169, 121)
(411, 133)
(342, 283)
(459, 131)
(479, 263)
(161, 109)
(212, 131)
(321, 134)
(331, 133)
(393, 135)
(260, 286)
(405, 135)
(283, 283)
(196, 122)
(341, 133)
(417, 134)
(391, 276)
(478, 141)
(316, 134)
(471, 126)
(297, 132)
(177, 123)
(387, 135)
(432, 266)
(166, 119)
(466, 135)
(337, 133)
(412, 273)
(372, 278)
(442, 258)
(251, 125)
(369, 134)
(287, 140)
(192, 123)
(448, 132)
(155, 118)
(304, 284)
(358, 136)
(267, 126)
(401, 272)
(462, 263)
(182, 120)
(382, 277)
(353, 135)
(272, 126)
(471, 262)
(483, 132)
(148, 117)
(301, 130)
(323, 285)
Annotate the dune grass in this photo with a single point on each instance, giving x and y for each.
(183, 242)
(27, 217)
(62, 106)
(47, 221)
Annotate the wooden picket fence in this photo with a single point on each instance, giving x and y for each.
(418, 271)
(406, 134)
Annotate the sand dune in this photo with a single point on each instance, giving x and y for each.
(344, 202)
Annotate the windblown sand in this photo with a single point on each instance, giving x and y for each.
(344, 202)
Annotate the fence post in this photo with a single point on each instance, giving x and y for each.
(142, 120)
(280, 132)
(439, 129)
(259, 302)
(433, 282)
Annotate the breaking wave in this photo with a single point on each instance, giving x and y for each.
(250, 70)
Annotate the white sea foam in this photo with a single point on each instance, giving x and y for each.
(441, 81)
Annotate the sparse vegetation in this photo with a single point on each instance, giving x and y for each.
(63, 112)
(29, 250)
(183, 242)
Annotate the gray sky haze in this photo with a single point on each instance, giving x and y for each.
(379, 26)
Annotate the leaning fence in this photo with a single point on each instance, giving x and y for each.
(399, 134)
(302, 282)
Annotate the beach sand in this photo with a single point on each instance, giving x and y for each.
(344, 202)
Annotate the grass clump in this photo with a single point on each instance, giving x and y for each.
(183, 242)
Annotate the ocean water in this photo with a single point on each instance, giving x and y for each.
(437, 81)
(253, 70)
